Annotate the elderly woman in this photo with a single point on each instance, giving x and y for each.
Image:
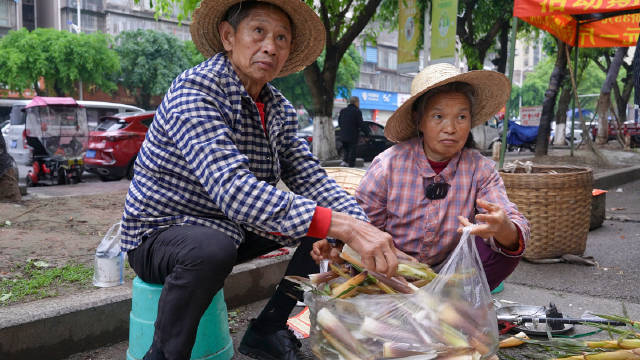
(204, 194)
(423, 188)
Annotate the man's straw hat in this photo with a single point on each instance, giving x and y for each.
(308, 31)
(491, 92)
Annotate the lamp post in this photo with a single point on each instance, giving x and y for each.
(78, 4)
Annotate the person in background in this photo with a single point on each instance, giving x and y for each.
(350, 122)
(204, 198)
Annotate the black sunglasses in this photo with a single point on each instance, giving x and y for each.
(437, 191)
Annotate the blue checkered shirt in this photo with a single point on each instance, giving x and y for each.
(207, 161)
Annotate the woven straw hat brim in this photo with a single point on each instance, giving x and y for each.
(308, 31)
(492, 91)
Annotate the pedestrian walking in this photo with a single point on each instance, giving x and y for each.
(204, 198)
(350, 122)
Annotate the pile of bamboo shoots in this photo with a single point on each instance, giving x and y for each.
(625, 347)
(360, 314)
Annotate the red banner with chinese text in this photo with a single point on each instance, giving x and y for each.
(554, 16)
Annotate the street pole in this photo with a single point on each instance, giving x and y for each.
(573, 98)
(79, 31)
(505, 121)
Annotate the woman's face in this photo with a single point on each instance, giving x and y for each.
(259, 47)
(445, 124)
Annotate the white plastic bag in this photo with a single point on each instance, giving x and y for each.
(109, 260)
(452, 316)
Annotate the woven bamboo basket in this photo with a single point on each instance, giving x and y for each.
(347, 178)
(557, 202)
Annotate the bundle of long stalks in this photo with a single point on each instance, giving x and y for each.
(361, 314)
(625, 347)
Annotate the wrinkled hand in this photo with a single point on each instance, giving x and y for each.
(322, 250)
(494, 223)
(375, 247)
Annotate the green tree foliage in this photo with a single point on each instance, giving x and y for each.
(194, 56)
(151, 60)
(296, 90)
(60, 57)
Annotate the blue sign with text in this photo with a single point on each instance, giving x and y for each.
(376, 100)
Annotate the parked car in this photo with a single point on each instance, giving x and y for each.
(15, 134)
(486, 134)
(114, 145)
(372, 141)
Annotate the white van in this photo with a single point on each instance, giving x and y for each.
(14, 134)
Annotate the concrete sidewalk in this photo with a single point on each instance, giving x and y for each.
(62, 326)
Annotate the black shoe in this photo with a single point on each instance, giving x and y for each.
(277, 345)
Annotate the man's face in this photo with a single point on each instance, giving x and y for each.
(260, 45)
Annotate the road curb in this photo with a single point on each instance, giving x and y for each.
(615, 178)
(66, 325)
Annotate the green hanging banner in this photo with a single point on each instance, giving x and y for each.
(443, 30)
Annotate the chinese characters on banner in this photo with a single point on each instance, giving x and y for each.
(530, 115)
(555, 17)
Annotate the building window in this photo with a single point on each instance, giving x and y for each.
(8, 13)
(371, 55)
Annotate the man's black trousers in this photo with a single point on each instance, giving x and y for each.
(349, 155)
(192, 262)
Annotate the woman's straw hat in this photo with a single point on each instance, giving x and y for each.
(308, 31)
(491, 94)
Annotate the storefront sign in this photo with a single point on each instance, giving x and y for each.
(374, 99)
(530, 115)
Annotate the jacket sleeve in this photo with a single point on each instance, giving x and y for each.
(491, 189)
(372, 194)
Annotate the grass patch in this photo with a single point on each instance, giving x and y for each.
(36, 281)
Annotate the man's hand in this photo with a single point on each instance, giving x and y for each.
(375, 247)
(323, 250)
(494, 223)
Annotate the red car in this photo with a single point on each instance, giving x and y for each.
(115, 143)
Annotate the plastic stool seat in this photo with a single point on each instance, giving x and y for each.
(213, 341)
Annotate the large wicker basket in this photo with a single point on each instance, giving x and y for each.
(347, 178)
(557, 202)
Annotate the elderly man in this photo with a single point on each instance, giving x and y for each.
(204, 195)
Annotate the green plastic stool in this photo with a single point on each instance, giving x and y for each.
(498, 288)
(213, 341)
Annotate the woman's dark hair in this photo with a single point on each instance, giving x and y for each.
(420, 104)
(238, 12)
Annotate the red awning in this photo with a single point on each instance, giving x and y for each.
(603, 23)
(48, 101)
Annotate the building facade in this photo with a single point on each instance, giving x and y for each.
(107, 16)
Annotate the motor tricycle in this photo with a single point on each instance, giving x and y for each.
(56, 129)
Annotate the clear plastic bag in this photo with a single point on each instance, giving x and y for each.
(452, 316)
(109, 260)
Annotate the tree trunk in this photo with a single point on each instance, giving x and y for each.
(501, 61)
(9, 190)
(561, 115)
(604, 101)
(548, 104)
